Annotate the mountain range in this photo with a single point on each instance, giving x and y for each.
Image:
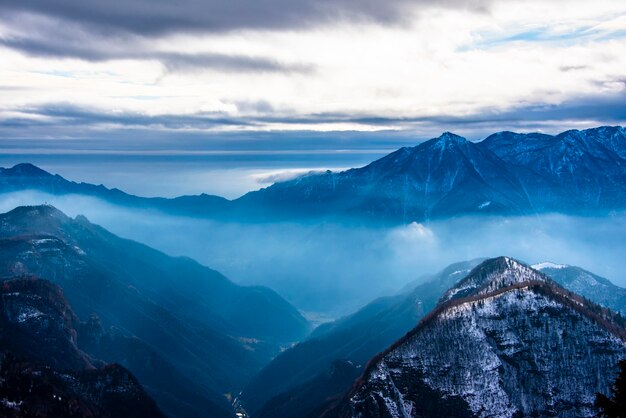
(574, 172)
(185, 331)
(482, 337)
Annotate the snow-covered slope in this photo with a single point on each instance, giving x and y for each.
(593, 287)
(491, 275)
(356, 338)
(515, 344)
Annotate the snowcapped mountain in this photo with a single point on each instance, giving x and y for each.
(595, 288)
(490, 276)
(506, 341)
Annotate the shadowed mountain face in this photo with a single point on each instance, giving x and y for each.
(207, 335)
(44, 373)
(29, 177)
(442, 177)
(313, 397)
(575, 172)
(505, 341)
(355, 338)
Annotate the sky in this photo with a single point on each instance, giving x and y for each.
(306, 77)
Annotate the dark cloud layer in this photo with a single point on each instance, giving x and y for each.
(73, 116)
(148, 17)
(204, 129)
(63, 43)
(95, 30)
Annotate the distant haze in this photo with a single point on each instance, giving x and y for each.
(334, 269)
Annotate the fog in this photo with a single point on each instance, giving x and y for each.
(331, 269)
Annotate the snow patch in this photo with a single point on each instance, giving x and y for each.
(43, 241)
(548, 265)
(11, 404)
(28, 313)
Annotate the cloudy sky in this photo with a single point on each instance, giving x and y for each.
(291, 74)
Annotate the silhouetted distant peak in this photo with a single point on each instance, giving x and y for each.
(513, 137)
(26, 170)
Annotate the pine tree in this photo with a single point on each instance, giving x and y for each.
(615, 406)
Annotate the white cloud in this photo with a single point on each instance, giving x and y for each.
(411, 237)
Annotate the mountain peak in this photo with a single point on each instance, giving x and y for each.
(33, 220)
(26, 170)
(448, 138)
(491, 275)
(37, 211)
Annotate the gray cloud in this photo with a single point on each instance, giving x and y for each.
(610, 107)
(568, 68)
(149, 17)
(175, 62)
(83, 46)
(66, 120)
(94, 30)
(72, 117)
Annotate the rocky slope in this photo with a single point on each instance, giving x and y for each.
(506, 341)
(43, 372)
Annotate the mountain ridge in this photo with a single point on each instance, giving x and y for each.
(574, 172)
(205, 332)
